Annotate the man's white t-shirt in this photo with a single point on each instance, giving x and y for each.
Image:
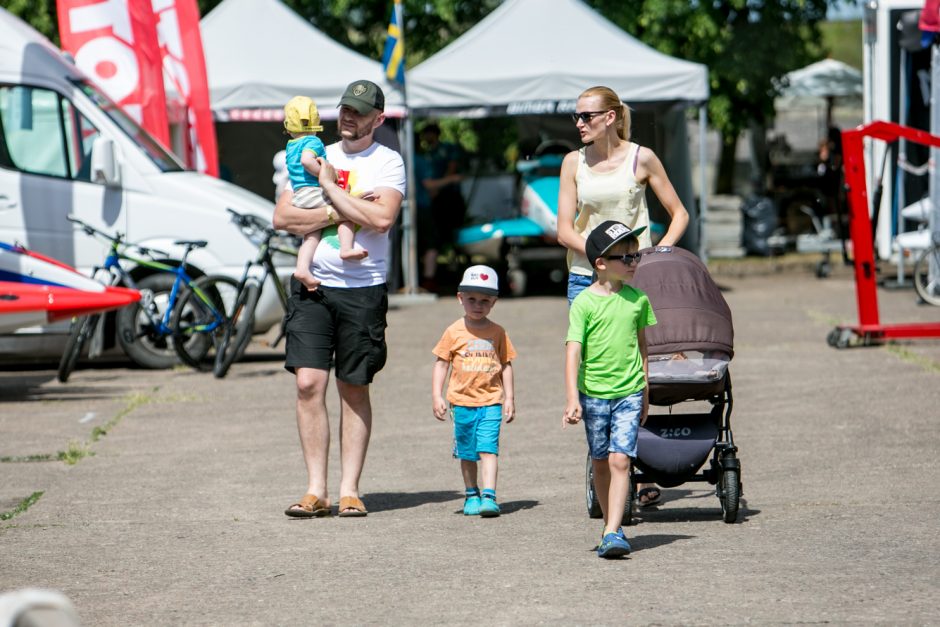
(376, 166)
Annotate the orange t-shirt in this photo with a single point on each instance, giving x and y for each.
(477, 358)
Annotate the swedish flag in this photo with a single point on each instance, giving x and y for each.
(393, 57)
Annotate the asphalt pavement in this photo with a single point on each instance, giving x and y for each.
(171, 510)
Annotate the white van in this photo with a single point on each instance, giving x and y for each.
(54, 125)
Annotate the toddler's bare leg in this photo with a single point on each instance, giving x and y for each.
(469, 471)
(305, 259)
(347, 240)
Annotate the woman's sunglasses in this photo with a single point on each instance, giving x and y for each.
(627, 259)
(586, 116)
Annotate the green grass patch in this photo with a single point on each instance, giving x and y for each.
(76, 452)
(23, 505)
(906, 354)
(17, 459)
(822, 318)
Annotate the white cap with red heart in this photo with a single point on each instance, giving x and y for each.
(480, 279)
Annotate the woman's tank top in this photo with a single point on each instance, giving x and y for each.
(614, 195)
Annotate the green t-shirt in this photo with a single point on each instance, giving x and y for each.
(606, 327)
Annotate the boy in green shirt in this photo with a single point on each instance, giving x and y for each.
(606, 370)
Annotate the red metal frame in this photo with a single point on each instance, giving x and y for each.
(860, 229)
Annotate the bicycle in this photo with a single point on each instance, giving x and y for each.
(241, 322)
(156, 332)
(928, 290)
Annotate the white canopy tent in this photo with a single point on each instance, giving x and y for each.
(260, 53)
(528, 54)
(530, 57)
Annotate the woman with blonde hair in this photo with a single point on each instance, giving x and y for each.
(607, 180)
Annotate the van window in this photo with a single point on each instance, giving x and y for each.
(42, 133)
(151, 147)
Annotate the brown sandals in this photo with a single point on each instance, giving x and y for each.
(309, 507)
(350, 506)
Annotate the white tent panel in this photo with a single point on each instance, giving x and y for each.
(532, 50)
(259, 54)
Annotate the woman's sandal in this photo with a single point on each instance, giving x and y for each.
(310, 506)
(351, 506)
(652, 497)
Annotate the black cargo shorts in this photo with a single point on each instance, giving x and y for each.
(341, 328)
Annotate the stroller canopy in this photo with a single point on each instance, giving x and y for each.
(691, 312)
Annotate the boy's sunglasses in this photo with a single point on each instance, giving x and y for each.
(627, 259)
(586, 116)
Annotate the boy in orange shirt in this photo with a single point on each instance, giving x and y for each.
(480, 389)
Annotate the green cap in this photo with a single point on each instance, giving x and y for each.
(363, 96)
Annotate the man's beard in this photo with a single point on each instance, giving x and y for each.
(357, 134)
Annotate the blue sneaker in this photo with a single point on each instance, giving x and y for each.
(489, 508)
(471, 506)
(613, 545)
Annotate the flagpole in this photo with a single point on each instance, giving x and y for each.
(410, 239)
(395, 64)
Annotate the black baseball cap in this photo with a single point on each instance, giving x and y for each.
(605, 235)
(363, 96)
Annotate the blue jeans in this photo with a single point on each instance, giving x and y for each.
(612, 424)
(576, 285)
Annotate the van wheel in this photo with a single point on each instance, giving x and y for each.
(137, 333)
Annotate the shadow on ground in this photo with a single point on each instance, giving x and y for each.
(386, 501)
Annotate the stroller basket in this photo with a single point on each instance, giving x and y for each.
(674, 448)
(686, 376)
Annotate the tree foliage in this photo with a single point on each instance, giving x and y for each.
(744, 43)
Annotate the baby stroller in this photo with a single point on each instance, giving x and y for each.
(690, 348)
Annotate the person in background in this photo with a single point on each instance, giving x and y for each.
(441, 208)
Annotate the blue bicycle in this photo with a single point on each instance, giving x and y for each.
(178, 318)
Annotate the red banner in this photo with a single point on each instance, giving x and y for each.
(185, 66)
(114, 42)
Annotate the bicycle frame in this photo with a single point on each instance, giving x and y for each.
(161, 323)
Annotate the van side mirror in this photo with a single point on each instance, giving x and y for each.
(104, 166)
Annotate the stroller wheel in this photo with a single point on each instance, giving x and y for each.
(593, 505)
(631, 499)
(729, 494)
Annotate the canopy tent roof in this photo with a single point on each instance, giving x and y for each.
(529, 56)
(824, 79)
(259, 54)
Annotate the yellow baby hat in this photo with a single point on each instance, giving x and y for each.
(301, 116)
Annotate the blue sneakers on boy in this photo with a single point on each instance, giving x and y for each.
(489, 508)
(471, 506)
(613, 545)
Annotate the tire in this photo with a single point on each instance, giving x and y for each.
(143, 343)
(79, 332)
(238, 330)
(593, 505)
(627, 519)
(729, 494)
(198, 325)
(927, 290)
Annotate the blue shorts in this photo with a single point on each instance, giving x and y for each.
(576, 285)
(476, 430)
(611, 424)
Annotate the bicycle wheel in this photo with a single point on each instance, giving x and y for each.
(200, 317)
(79, 332)
(136, 329)
(238, 330)
(927, 289)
